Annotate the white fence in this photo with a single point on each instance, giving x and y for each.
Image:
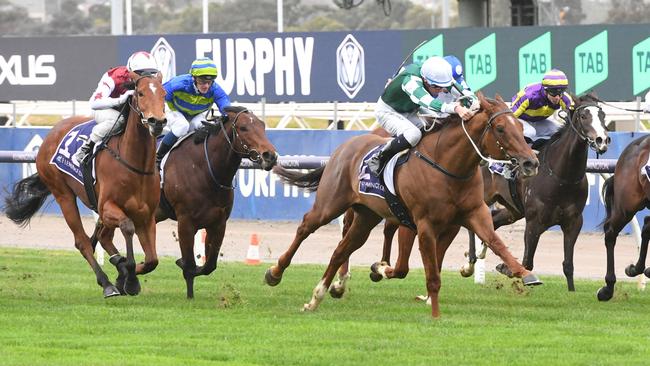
(355, 116)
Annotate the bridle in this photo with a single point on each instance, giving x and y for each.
(246, 151)
(581, 133)
(150, 123)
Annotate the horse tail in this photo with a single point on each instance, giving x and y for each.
(308, 181)
(608, 197)
(27, 197)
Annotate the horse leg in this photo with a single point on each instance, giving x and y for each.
(480, 222)
(213, 239)
(612, 228)
(468, 269)
(635, 269)
(571, 231)
(105, 237)
(405, 240)
(344, 271)
(442, 244)
(68, 203)
(364, 221)
(113, 216)
(147, 237)
(389, 233)
(428, 251)
(186, 232)
(318, 216)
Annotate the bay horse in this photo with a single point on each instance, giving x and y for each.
(626, 193)
(127, 187)
(455, 199)
(197, 182)
(555, 196)
(558, 193)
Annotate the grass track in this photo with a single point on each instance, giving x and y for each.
(52, 313)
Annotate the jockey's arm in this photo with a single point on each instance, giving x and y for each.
(520, 104)
(414, 88)
(100, 99)
(220, 98)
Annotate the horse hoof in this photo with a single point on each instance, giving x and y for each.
(375, 277)
(306, 308)
(604, 294)
(466, 272)
(110, 291)
(337, 292)
(132, 286)
(503, 269)
(647, 272)
(631, 271)
(270, 279)
(531, 280)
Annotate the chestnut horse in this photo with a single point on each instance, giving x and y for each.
(555, 196)
(127, 188)
(626, 193)
(446, 160)
(200, 194)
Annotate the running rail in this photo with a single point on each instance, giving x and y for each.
(293, 161)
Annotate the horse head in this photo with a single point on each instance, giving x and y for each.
(503, 135)
(249, 137)
(148, 101)
(587, 119)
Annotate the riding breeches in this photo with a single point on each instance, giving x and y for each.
(106, 121)
(543, 129)
(407, 124)
(179, 126)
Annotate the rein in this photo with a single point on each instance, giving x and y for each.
(615, 107)
(488, 126)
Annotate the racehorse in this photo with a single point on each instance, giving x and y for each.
(626, 193)
(127, 188)
(446, 160)
(200, 194)
(558, 193)
(555, 196)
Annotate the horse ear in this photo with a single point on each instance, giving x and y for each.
(498, 97)
(159, 77)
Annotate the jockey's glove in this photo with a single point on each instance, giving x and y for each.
(122, 98)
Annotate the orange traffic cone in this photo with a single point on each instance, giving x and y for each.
(253, 254)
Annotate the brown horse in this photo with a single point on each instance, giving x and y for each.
(127, 188)
(626, 193)
(447, 160)
(200, 194)
(558, 194)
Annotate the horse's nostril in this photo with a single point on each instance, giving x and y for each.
(608, 140)
(599, 140)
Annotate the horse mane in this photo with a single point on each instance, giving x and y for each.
(234, 108)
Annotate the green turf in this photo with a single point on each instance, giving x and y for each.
(52, 313)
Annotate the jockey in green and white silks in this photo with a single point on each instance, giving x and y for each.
(427, 86)
(188, 100)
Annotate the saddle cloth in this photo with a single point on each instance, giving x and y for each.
(385, 188)
(71, 142)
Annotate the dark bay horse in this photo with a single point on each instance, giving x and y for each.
(197, 183)
(626, 193)
(438, 202)
(555, 196)
(127, 188)
(558, 193)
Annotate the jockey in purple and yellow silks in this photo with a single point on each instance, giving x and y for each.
(537, 102)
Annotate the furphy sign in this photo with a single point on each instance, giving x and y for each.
(246, 64)
(30, 70)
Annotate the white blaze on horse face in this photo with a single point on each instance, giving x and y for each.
(596, 123)
(152, 87)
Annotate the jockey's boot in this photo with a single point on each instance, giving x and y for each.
(165, 145)
(377, 162)
(84, 151)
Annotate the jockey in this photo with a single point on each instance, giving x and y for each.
(457, 73)
(537, 102)
(189, 98)
(111, 93)
(427, 85)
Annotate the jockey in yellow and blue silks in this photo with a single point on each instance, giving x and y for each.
(189, 98)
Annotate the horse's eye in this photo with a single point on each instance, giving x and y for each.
(140, 94)
(500, 129)
(243, 129)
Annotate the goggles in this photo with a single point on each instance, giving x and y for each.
(555, 92)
